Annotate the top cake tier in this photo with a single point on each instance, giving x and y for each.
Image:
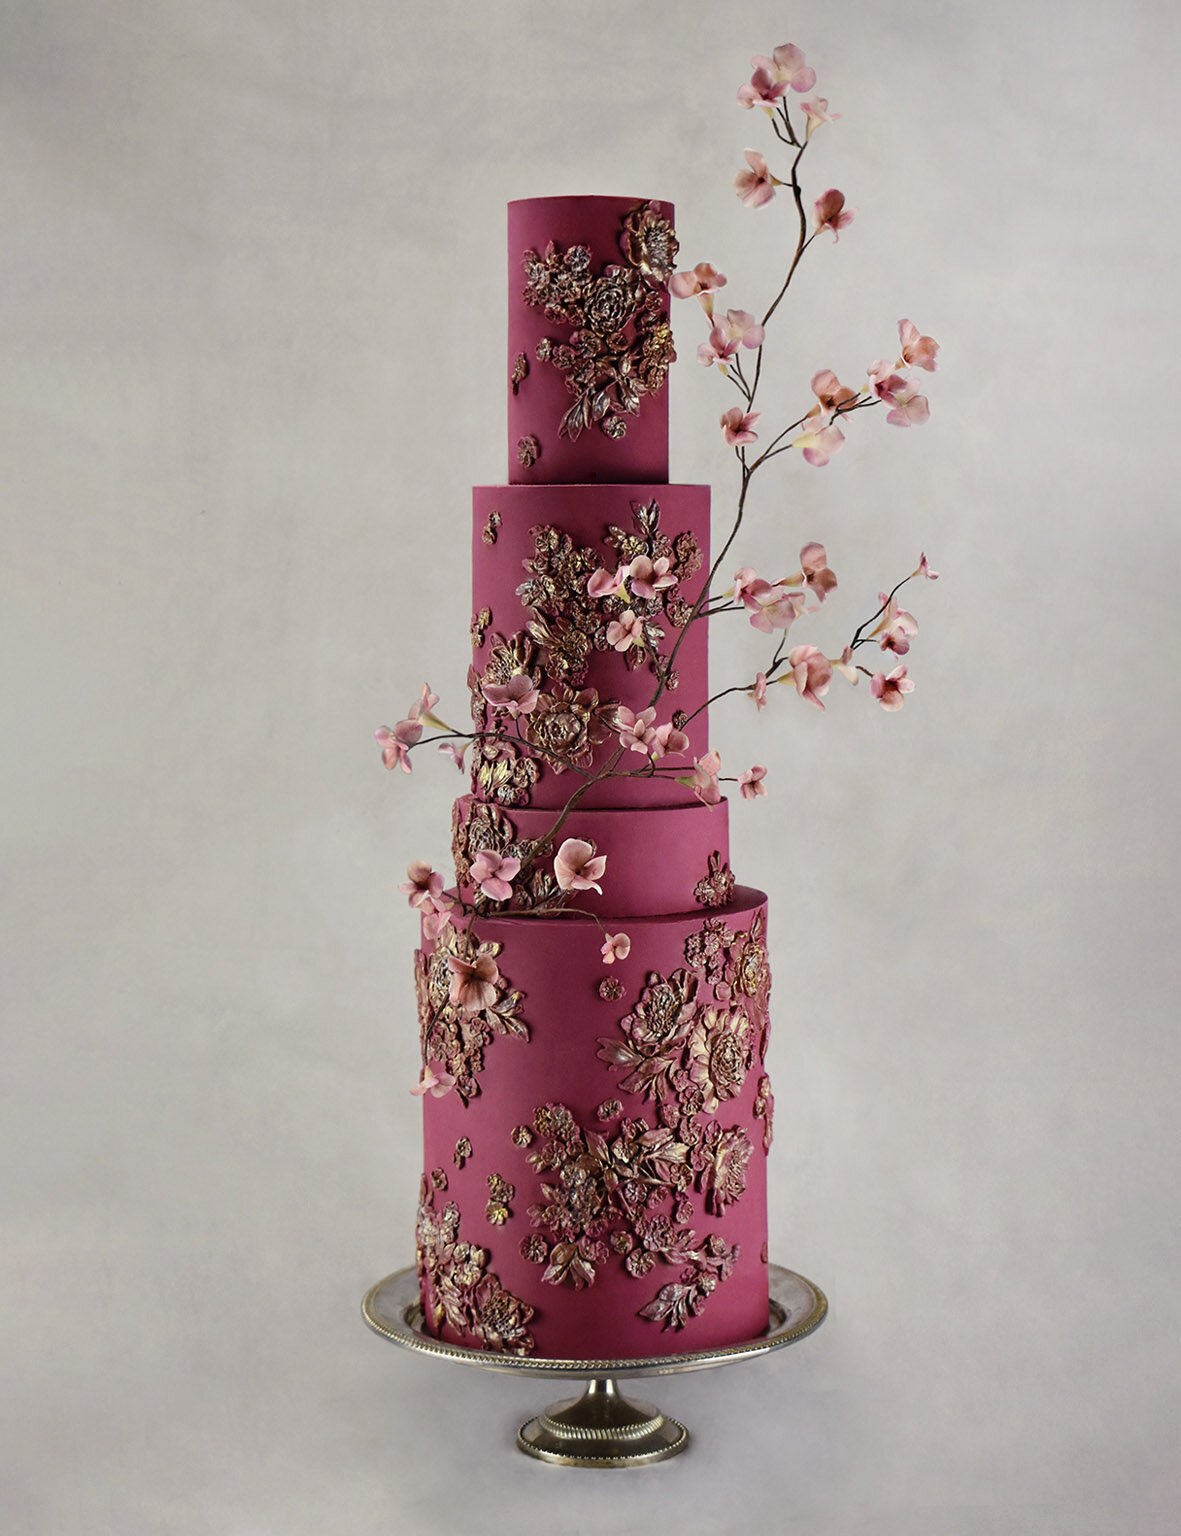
(589, 342)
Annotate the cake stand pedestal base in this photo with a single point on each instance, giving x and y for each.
(602, 1428)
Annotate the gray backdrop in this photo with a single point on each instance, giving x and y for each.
(253, 360)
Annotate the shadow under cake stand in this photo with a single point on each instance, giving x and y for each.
(602, 1428)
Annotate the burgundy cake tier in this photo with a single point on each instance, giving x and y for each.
(535, 548)
(662, 859)
(595, 1183)
(589, 342)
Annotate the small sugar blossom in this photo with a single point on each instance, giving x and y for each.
(750, 784)
(815, 572)
(895, 627)
(492, 874)
(395, 744)
(917, 351)
(910, 408)
(649, 578)
(756, 185)
(811, 671)
(831, 393)
(637, 733)
(817, 111)
(604, 584)
(422, 886)
(818, 444)
(762, 90)
(516, 697)
(702, 282)
(616, 946)
(738, 427)
(924, 569)
(576, 867)
(449, 749)
(772, 606)
(625, 631)
(473, 983)
(437, 918)
(669, 741)
(434, 1082)
(704, 782)
(829, 212)
(890, 688)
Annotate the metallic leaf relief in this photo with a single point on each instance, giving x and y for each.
(620, 344)
(716, 887)
(500, 1194)
(764, 1108)
(520, 371)
(602, 1195)
(463, 1150)
(458, 1034)
(479, 626)
(528, 451)
(611, 989)
(459, 1289)
(491, 527)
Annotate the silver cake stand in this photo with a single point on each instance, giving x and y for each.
(602, 1428)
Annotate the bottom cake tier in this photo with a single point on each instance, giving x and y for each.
(595, 1176)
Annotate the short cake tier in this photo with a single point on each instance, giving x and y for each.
(660, 859)
(622, 319)
(534, 550)
(595, 1180)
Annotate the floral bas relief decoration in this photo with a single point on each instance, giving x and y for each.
(610, 1194)
(457, 1034)
(716, 887)
(464, 1292)
(620, 344)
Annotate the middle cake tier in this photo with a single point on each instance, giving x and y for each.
(581, 596)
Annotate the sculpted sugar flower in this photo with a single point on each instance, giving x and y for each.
(473, 983)
(516, 697)
(637, 733)
(756, 185)
(925, 570)
(395, 744)
(625, 631)
(750, 784)
(576, 867)
(831, 393)
(895, 627)
(817, 111)
(829, 212)
(815, 570)
(738, 427)
(492, 874)
(703, 282)
(606, 584)
(433, 1082)
(910, 408)
(704, 782)
(759, 692)
(648, 577)
(890, 688)
(669, 740)
(616, 946)
(917, 351)
(422, 886)
(811, 671)
(818, 444)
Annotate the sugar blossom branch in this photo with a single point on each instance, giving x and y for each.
(626, 600)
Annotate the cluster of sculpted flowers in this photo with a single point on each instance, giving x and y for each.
(617, 599)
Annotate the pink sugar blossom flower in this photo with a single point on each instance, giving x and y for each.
(817, 110)
(737, 427)
(473, 983)
(433, 1082)
(516, 697)
(917, 351)
(492, 874)
(704, 782)
(422, 708)
(896, 626)
(669, 741)
(395, 744)
(844, 665)
(750, 784)
(815, 571)
(829, 212)
(437, 920)
(755, 186)
(759, 692)
(625, 631)
(422, 886)
(703, 282)
(577, 868)
(811, 671)
(818, 444)
(890, 688)
(884, 381)
(604, 584)
(739, 325)
(448, 749)
(771, 605)
(616, 946)
(925, 570)
(910, 408)
(763, 90)
(637, 733)
(716, 350)
(787, 64)
(650, 577)
(831, 393)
